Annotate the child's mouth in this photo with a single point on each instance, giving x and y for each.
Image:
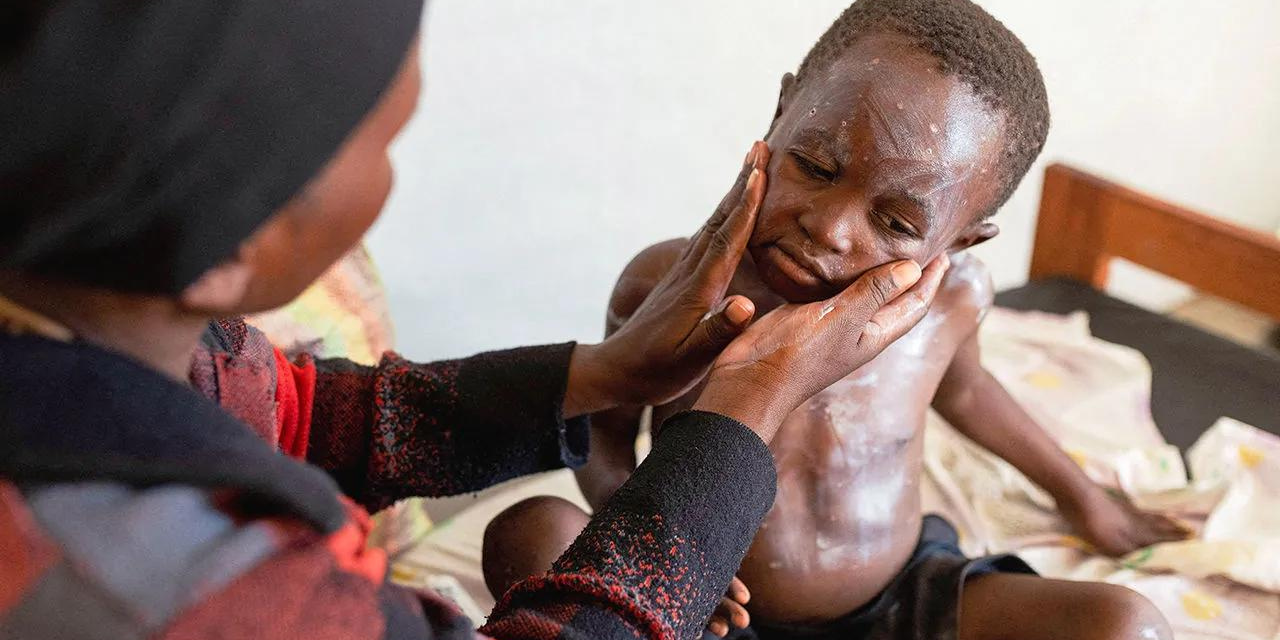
(792, 277)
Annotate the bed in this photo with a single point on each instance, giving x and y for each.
(1085, 222)
(1100, 374)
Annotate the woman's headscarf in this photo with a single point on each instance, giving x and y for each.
(141, 141)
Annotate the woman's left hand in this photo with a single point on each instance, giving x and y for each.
(670, 341)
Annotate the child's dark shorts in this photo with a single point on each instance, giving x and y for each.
(920, 603)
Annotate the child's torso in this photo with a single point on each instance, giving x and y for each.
(847, 513)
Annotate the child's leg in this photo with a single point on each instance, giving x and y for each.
(524, 540)
(1004, 606)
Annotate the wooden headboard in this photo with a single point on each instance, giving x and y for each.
(1085, 221)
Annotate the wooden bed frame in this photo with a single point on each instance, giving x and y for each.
(1085, 221)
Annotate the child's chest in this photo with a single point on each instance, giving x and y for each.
(878, 410)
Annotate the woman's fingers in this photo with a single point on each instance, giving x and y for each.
(697, 243)
(757, 158)
(907, 307)
(723, 251)
(720, 241)
(720, 327)
(872, 292)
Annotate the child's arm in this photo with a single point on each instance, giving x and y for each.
(613, 432)
(613, 454)
(978, 406)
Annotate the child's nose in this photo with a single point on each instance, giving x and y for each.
(830, 228)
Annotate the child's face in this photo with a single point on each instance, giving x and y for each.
(880, 158)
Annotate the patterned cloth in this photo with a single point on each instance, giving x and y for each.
(143, 510)
(343, 314)
(1094, 398)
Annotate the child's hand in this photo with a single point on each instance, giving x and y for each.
(1115, 526)
(731, 612)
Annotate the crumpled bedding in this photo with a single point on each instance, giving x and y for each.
(1094, 398)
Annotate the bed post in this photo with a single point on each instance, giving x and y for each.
(1086, 221)
(1071, 231)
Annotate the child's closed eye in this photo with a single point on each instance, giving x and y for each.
(895, 224)
(814, 169)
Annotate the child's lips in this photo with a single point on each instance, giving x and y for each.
(794, 269)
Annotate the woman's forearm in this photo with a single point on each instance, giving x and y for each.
(654, 561)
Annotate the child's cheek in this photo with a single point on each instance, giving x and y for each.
(782, 205)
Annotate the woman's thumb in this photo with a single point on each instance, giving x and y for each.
(721, 326)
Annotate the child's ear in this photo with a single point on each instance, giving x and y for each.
(219, 291)
(976, 234)
(785, 94)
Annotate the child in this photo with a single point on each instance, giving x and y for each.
(167, 163)
(907, 126)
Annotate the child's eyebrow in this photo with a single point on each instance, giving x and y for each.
(823, 140)
(922, 205)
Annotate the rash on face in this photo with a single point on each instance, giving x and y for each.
(881, 158)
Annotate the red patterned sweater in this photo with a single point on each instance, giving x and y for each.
(132, 507)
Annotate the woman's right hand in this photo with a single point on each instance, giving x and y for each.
(669, 342)
(795, 351)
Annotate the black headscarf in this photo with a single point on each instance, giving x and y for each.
(141, 141)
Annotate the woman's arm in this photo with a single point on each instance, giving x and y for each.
(402, 429)
(405, 429)
(651, 564)
(614, 431)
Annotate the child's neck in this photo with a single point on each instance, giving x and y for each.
(153, 330)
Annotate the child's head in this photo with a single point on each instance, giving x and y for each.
(908, 124)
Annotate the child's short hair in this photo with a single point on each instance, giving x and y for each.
(966, 41)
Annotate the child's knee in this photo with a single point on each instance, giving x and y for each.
(1125, 614)
(525, 539)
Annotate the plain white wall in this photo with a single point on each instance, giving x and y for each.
(557, 138)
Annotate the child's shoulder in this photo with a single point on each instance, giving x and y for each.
(967, 286)
(640, 276)
(653, 261)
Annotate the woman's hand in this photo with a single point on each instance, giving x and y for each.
(668, 344)
(798, 350)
